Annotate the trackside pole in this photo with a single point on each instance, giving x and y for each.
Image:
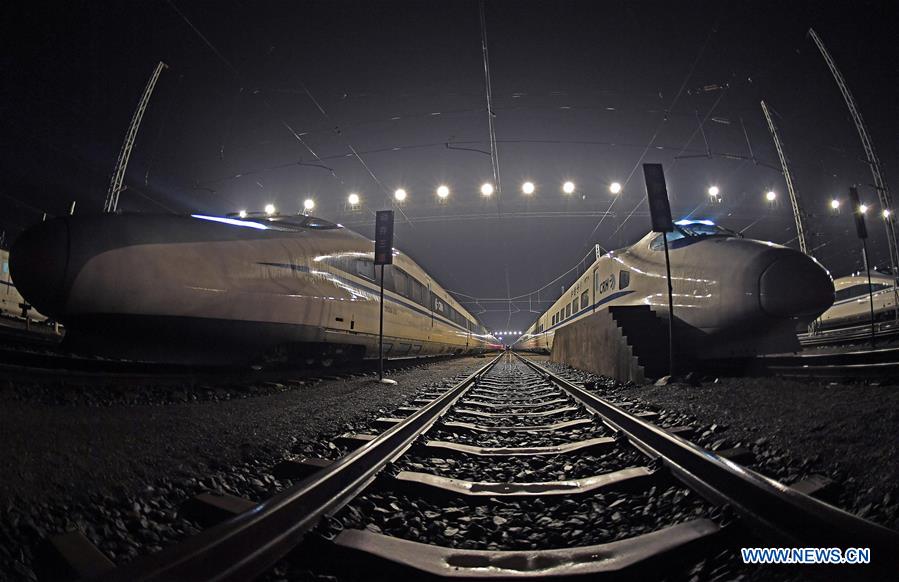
(862, 231)
(381, 332)
(870, 291)
(670, 310)
(383, 256)
(660, 213)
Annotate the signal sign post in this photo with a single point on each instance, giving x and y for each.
(862, 232)
(660, 213)
(383, 256)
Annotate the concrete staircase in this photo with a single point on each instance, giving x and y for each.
(628, 343)
(647, 335)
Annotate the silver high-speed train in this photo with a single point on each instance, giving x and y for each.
(732, 296)
(211, 289)
(853, 304)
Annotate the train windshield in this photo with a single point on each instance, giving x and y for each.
(687, 232)
(703, 228)
(293, 223)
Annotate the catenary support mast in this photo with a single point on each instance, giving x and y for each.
(798, 213)
(880, 185)
(118, 176)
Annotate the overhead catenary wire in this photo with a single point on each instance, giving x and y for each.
(661, 123)
(491, 114)
(523, 296)
(339, 133)
(676, 158)
(238, 76)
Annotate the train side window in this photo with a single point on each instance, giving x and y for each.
(859, 290)
(568, 311)
(401, 282)
(575, 305)
(585, 299)
(365, 268)
(624, 279)
(417, 291)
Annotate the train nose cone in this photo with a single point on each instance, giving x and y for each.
(38, 261)
(795, 286)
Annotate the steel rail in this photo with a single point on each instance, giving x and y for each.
(865, 356)
(771, 507)
(251, 543)
(886, 331)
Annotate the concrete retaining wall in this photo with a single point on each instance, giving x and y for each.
(596, 344)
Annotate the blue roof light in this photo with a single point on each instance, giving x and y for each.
(686, 222)
(231, 221)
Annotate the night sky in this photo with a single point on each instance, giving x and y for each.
(265, 101)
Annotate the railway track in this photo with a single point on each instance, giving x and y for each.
(885, 331)
(882, 363)
(514, 472)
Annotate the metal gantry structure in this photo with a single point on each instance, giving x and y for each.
(883, 193)
(118, 176)
(798, 212)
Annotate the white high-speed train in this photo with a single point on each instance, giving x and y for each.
(211, 289)
(732, 296)
(853, 305)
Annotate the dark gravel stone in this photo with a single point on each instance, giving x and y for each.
(119, 473)
(526, 469)
(525, 524)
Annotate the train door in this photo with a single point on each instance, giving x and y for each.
(595, 286)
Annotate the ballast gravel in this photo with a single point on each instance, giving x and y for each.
(119, 473)
(793, 428)
(510, 438)
(521, 469)
(551, 522)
